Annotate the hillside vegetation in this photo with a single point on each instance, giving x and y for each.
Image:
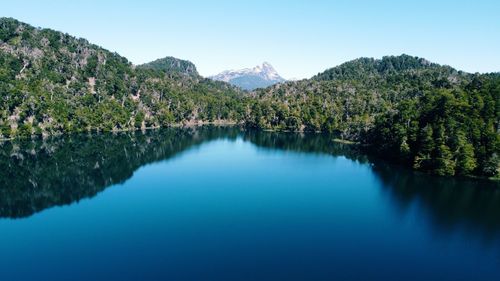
(51, 82)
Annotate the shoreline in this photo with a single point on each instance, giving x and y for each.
(173, 125)
(227, 123)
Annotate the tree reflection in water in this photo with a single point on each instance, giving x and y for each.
(39, 174)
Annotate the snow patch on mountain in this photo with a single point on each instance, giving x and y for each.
(263, 75)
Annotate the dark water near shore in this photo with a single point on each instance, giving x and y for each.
(222, 204)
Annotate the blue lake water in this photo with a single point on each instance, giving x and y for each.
(223, 204)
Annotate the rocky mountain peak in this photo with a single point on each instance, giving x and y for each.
(260, 76)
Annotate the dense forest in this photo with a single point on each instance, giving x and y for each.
(428, 116)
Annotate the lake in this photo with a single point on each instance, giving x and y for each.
(224, 204)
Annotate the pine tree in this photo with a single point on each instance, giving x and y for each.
(423, 159)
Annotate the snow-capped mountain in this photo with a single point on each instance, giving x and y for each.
(261, 76)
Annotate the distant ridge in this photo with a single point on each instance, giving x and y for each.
(172, 65)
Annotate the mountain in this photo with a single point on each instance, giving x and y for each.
(53, 83)
(349, 96)
(172, 65)
(260, 76)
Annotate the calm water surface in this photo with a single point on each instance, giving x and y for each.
(221, 204)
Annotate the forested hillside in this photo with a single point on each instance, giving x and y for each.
(428, 116)
(346, 99)
(51, 82)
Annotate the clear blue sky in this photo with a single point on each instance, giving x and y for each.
(300, 38)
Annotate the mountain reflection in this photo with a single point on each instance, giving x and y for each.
(35, 175)
(39, 174)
